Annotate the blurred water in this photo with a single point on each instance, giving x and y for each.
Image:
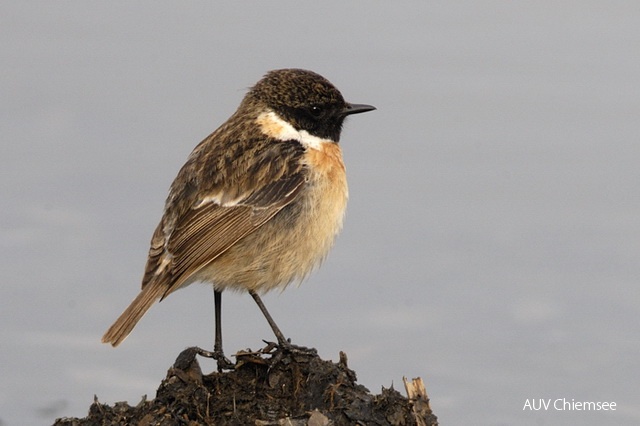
(492, 240)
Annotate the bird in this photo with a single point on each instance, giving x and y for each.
(258, 203)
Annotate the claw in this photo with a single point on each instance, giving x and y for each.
(223, 362)
(297, 350)
(187, 357)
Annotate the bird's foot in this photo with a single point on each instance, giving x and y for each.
(223, 362)
(189, 354)
(287, 347)
(284, 349)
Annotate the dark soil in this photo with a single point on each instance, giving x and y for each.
(270, 387)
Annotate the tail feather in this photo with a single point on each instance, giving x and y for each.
(136, 310)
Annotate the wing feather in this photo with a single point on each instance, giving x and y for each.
(220, 196)
(204, 233)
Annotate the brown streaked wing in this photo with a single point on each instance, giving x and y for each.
(156, 250)
(203, 234)
(278, 193)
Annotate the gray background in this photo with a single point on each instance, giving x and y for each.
(492, 242)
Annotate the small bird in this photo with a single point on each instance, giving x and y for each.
(258, 203)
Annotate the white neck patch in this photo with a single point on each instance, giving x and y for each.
(274, 126)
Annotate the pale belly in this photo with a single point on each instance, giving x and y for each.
(287, 247)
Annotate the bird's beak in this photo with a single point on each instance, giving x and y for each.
(357, 109)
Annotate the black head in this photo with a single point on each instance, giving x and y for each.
(307, 101)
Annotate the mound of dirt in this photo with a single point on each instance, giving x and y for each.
(269, 387)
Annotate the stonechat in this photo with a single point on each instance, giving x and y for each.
(258, 203)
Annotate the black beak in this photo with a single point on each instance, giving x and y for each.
(357, 109)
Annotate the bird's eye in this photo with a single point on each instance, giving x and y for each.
(315, 111)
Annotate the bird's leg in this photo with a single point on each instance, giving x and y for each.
(186, 357)
(218, 353)
(283, 342)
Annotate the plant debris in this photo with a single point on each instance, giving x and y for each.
(269, 387)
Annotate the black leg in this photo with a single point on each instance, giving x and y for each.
(217, 301)
(218, 353)
(187, 357)
(282, 341)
